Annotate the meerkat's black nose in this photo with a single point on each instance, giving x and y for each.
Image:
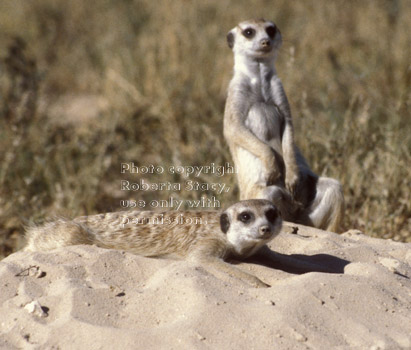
(265, 43)
(264, 230)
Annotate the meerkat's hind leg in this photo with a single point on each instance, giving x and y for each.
(288, 207)
(327, 209)
(57, 234)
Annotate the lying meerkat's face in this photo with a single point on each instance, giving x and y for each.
(255, 39)
(250, 224)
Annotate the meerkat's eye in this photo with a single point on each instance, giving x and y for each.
(245, 216)
(271, 214)
(248, 33)
(271, 31)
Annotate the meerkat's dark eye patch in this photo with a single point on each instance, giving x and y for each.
(224, 222)
(245, 216)
(248, 33)
(271, 31)
(271, 215)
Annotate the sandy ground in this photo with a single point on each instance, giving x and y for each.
(84, 297)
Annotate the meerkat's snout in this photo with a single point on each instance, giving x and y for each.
(264, 231)
(265, 43)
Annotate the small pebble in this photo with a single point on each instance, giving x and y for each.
(35, 308)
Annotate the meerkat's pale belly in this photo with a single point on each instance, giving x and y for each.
(265, 123)
(250, 169)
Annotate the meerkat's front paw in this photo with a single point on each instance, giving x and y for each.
(291, 183)
(273, 178)
(272, 172)
(269, 161)
(259, 284)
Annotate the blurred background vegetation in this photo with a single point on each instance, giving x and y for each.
(86, 85)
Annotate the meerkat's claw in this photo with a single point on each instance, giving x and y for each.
(261, 284)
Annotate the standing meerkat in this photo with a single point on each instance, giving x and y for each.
(207, 237)
(259, 131)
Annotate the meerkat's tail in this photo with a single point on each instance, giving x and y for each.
(57, 234)
(329, 211)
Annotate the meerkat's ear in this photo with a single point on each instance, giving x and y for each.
(230, 39)
(224, 222)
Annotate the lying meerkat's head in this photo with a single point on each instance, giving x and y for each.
(250, 224)
(255, 39)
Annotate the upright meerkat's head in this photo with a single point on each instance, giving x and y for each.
(250, 224)
(255, 39)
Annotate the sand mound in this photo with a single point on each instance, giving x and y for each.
(92, 298)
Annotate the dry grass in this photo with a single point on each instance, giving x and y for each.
(85, 86)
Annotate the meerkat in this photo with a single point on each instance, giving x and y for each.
(207, 237)
(259, 131)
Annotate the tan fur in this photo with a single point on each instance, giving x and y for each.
(259, 131)
(194, 235)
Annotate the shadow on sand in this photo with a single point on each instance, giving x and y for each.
(299, 263)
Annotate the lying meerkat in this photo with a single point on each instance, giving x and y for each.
(259, 131)
(207, 237)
